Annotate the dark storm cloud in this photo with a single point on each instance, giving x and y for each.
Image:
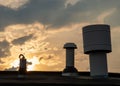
(22, 40)
(6, 17)
(115, 18)
(87, 10)
(54, 12)
(4, 48)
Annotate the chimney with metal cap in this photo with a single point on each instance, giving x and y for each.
(70, 70)
(97, 42)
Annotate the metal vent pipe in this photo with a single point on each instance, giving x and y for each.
(70, 70)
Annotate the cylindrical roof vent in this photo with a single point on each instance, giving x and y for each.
(70, 70)
(96, 38)
(96, 43)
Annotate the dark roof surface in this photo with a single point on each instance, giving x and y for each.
(54, 78)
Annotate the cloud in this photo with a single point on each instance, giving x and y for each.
(22, 40)
(104, 15)
(11, 69)
(70, 2)
(113, 57)
(1, 62)
(114, 19)
(53, 13)
(13, 4)
(4, 48)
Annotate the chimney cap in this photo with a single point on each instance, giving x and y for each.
(70, 45)
(97, 26)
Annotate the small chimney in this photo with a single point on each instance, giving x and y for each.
(70, 70)
(97, 42)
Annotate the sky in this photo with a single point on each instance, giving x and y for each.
(40, 28)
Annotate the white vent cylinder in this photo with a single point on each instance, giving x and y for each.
(98, 65)
(97, 42)
(96, 38)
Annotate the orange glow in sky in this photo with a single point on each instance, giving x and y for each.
(33, 61)
(30, 67)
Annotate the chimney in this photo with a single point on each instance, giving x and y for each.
(97, 42)
(70, 70)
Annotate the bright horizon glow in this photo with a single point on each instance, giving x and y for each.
(34, 61)
(30, 67)
(15, 63)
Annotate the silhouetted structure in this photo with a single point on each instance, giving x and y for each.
(22, 65)
(97, 42)
(70, 70)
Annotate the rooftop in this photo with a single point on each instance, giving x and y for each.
(55, 78)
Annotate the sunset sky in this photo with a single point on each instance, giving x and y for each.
(40, 28)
